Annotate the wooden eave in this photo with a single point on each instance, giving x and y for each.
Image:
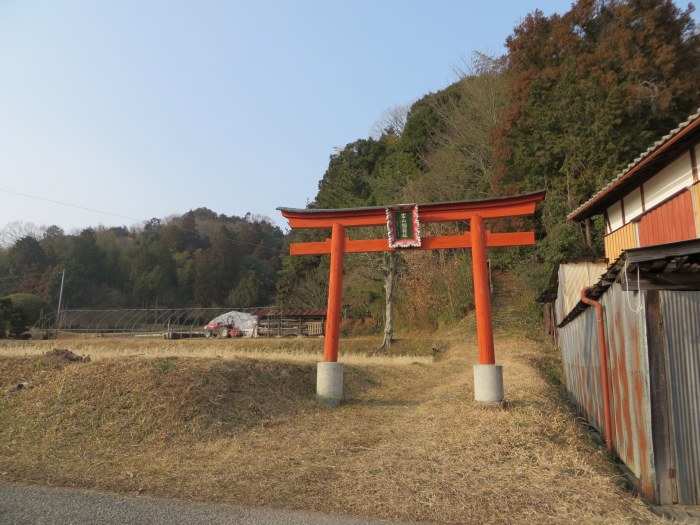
(655, 159)
(497, 207)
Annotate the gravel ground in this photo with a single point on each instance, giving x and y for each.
(25, 505)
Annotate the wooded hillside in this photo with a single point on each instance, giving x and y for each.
(576, 97)
(199, 259)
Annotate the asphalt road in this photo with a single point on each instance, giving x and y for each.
(30, 505)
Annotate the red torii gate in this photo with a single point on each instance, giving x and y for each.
(403, 222)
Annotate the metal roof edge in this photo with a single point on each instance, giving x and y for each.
(673, 249)
(598, 289)
(632, 256)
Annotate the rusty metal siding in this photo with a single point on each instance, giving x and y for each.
(671, 221)
(628, 369)
(628, 366)
(620, 240)
(681, 319)
(581, 365)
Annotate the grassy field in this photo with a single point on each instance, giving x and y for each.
(287, 349)
(236, 421)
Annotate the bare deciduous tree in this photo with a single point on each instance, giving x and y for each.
(392, 120)
(461, 166)
(16, 230)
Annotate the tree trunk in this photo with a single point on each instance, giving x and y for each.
(589, 239)
(389, 268)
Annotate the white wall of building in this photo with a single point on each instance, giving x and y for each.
(667, 182)
(615, 216)
(670, 180)
(633, 205)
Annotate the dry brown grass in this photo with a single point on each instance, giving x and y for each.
(300, 349)
(409, 443)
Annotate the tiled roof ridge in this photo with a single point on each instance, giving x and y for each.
(639, 159)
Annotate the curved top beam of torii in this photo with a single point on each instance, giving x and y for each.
(493, 208)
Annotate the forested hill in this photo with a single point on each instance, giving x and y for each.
(201, 258)
(575, 98)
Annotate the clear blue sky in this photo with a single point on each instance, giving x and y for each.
(151, 108)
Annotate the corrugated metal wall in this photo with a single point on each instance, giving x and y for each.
(628, 369)
(574, 277)
(672, 221)
(619, 240)
(676, 404)
(628, 365)
(581, 364)
(681, 321)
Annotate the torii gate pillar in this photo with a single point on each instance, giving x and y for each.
(329, 373)
(488, 376)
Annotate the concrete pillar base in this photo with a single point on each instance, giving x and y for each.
(329, 382)
(488, 384)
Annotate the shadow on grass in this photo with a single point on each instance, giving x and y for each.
(516, 404)
(383, 402)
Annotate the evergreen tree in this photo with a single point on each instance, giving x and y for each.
(588, 90)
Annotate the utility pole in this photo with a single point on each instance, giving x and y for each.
(60, 298)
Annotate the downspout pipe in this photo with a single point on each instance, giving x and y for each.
(603, 348)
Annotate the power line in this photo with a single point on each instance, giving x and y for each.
(70, 205)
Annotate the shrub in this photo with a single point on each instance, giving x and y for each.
(31, 306)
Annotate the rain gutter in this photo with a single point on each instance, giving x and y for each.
(603, 347)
